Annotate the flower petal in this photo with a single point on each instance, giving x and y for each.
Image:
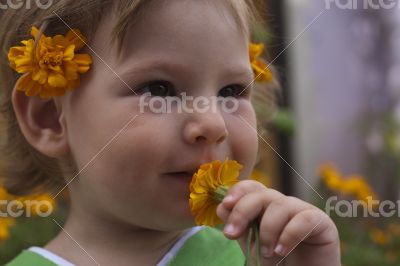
(255, 50)
(57, 80)
(69, 53)
(230, 172)
(76, 38)
(83, 61)
(60, 40)
(48, 91)
(71, 70)
(23, 64)
(206, 184)
(29, 86)
(14, 53)
(34, 90)
(261, 70)
(35, 32)
(40, 76)
(24, 82)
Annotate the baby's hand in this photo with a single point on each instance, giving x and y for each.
(290, 228)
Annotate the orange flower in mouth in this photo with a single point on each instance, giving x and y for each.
(261, 71)
(52, 67)
(208, 188)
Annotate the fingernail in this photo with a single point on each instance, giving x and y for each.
(266, 251)
(279, 249)
(230, 229)
(228, 198)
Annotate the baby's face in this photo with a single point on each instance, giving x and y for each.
(187, 47)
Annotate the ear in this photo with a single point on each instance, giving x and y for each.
(42, 123)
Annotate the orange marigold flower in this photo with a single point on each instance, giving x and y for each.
(52, 67)
(208, 188)
(353, 185)
(261, 70)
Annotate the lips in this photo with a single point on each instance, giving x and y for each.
(188, 169)
(179, 181)
(184, 175)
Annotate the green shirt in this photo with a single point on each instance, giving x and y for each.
(208, 247)
(30, 258)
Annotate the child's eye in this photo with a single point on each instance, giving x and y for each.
(158, 88)
(232, 91)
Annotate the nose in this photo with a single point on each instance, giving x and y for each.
(207, 128)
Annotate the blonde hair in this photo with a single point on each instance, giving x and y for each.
(24, 169)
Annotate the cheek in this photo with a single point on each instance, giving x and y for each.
(125, 161)
(244, 138)
(245, 148)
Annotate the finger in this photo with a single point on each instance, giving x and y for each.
(224, 209)
(300, 227)
(239, 190)
(275, 218)
(247, 209)
(222, 212)
(272, 261)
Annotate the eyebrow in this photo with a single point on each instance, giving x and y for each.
(177, 68)
(152, 66)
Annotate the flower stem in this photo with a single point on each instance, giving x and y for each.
(258, 247)
(220, 193)
(248, 252)
(253, 230)
(218, 196)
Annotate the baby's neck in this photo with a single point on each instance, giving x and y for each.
(86, 242)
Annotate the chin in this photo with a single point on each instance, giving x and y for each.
(180, 221)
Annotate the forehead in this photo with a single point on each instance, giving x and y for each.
(183, 28)
(193, 34)
(242, 12)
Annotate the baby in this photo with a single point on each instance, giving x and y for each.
(128, 168)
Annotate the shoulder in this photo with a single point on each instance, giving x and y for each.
(29, 258)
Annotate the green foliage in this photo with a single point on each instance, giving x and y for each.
(27, 232)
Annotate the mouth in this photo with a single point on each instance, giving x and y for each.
(181, 175)
(179, 181)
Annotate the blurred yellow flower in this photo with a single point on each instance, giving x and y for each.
(3, 193)
(354, 185)
(53, 67)
(39, 203)
(379, 236)
(5, 225)
(208, 188)
(5, 222)
(32, 204)
(261, 70)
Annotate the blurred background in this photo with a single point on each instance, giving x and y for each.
(337, 131)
